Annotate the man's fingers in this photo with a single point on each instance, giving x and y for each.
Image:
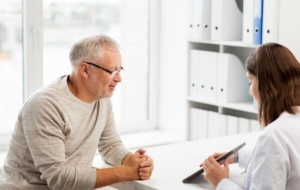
(141, 151)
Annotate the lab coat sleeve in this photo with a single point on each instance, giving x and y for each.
(226, 184)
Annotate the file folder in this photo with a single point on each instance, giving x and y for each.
(212, 67)
(232, 80)
(193, 73)
(243, 125)
(194, 123)
(216, 124)
(191, 19)
(258, 20)
(232, 125)
(203, 74)
(203, 121)
(254, 125)
(213, 124)
(248, 15)
(203, 19)
(226, 20)
(270, 21)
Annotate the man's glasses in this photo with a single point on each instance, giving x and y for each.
(113, 73)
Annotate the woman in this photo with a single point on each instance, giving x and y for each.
(274, 78)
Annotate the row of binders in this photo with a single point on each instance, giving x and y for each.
(254, 22)
(207, 124)
(218, 77)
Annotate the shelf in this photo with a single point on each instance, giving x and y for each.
(241, 106)
(246, 106)
(203, 101)
(226, 43)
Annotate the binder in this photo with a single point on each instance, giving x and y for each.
(226, 20)
(212, 66)
(191, 19)
(248, 15)
(202, 124)
(203, 19)
(270, 21)
(243, 125)
(212, 124)
(232, 125)
(255, 104)
(222, 125)
(232, 80)
(254, 125)
(203, 74)
(194, 123)
(258, 20)
(193, 87)
(216, 124)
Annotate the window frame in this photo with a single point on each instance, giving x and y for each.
(33, 57)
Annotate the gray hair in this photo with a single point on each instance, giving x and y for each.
(90, 48)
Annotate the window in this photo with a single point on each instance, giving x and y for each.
(11, 89)
(54, 25)
(127, 21)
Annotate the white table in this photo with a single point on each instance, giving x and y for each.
(173, 163)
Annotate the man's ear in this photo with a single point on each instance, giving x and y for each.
(83, 69)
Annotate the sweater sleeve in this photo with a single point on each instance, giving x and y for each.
(110, 145)
(43, 129)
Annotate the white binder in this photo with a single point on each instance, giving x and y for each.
(191, 19)
(248, 15)
(203, 74)
(203, 19)
(194, 73)
(194, 123)
(222, 125)
(243, 125)
(226, 20)
(232, 125)
(203, 122)
(270, 21)
(213, 124)
(232, 80)
(216, 124)
(212, 69)
(254, 125)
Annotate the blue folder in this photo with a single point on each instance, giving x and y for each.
(258, 20)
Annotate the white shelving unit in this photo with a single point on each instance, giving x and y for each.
(238, 109)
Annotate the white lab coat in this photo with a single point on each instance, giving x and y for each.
(275, 162)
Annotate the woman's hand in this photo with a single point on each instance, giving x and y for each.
(214, 172)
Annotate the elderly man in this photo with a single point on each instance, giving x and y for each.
(61, 125)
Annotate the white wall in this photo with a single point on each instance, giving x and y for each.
(173, 66)
(289, 25)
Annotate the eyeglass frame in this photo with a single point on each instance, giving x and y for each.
(113, 73)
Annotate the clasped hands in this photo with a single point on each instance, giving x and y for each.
(141, 164)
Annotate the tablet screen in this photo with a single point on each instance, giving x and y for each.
(220, 159)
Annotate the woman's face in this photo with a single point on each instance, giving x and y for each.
(253, 86)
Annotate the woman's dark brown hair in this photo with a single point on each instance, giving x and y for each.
(278, 76)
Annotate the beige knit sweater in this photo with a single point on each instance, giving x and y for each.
(55, 139)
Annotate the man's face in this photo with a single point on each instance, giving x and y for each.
(101, 83)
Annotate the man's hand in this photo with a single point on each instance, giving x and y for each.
(146, 167)
(132, 164)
